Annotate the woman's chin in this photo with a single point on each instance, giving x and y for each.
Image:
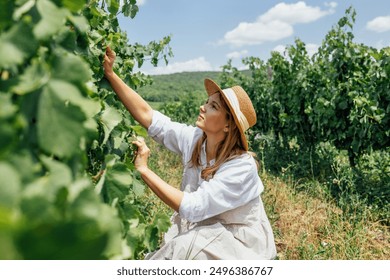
(198, 123)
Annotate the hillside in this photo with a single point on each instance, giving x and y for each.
(166, 88)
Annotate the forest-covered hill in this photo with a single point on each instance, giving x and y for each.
(171, 87)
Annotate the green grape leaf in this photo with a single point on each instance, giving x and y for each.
(159, 225)
(60, 123)
(74, 5)
(23, 9)
(10, 185)
(17, 44)
(161, 222)
(76, 188)
(66, 39)
(71, 94)
(151, 238)
(135, 236)
(117, 182)
(9, 135)
(138, 187)
(8, 138)
(130, 9)
(113, 6)
(140, 130)
(52, 19)
(58, 175)
(34, 77)
(80, 22)
(7, 109)
(109, 118)
(70, 68)
(5, 15)
(37, 203)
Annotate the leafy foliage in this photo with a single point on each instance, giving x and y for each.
(338, 95)
(68, 188)
(186, 110)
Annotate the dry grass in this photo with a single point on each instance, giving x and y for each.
(311, 228)
(306, 226)
(169, 167)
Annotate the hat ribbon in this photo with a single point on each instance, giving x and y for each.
(232, 97)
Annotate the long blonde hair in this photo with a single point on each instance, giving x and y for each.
(228, 149)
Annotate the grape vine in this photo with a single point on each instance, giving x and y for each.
(339, 96)
(68, 188)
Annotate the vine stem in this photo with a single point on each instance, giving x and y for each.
(96, 177)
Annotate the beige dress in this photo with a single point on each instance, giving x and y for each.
(219, 219)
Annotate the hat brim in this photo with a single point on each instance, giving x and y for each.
(212, 88)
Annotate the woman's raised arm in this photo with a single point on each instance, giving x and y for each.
(134, 103)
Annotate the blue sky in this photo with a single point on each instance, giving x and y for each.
(205, 34)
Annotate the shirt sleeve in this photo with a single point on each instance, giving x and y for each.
(234, 184)
(176, 137)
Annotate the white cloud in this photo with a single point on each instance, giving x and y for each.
(294, 13)
(237, 54)
(277, 23)
(379, 24)
(280, 49)
(331, 4)
(197, 64)
(246, 34)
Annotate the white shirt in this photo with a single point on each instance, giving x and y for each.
(234, 184)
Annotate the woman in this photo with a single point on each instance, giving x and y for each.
(218, 210)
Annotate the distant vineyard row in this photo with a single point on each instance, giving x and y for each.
(341, 94)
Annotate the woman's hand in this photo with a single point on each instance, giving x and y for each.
(170, 195)
(108, 62)
(143, 153)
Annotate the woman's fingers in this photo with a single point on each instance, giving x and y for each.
(139, 141)
(110, 53)
(108, 61)
(142, 154)
(142, 148)
(109, 56)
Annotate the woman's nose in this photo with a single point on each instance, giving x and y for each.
(201, 108)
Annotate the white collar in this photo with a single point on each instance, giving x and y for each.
(203, 157)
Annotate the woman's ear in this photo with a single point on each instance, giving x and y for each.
(226, 129)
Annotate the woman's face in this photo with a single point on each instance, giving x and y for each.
(212, 117)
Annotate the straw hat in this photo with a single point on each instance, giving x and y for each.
(239, 104)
